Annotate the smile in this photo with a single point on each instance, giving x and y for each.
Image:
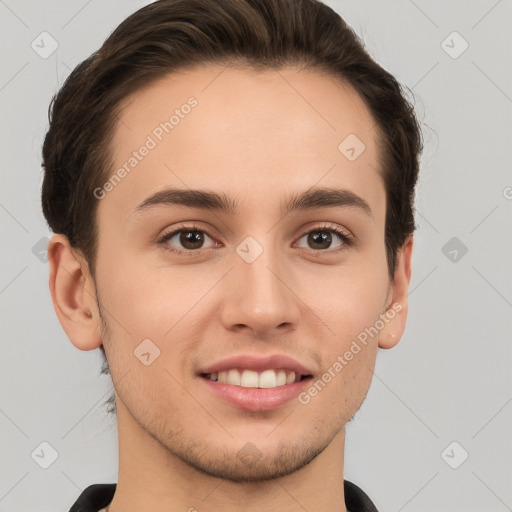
(251, 379)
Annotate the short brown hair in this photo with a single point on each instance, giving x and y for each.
(172, 35)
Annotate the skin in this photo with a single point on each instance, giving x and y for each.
(256, 136)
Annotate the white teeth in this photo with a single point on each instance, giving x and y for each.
(233, 377)
(251, 379)
(268, 379)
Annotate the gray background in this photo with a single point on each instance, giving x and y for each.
(449, 379)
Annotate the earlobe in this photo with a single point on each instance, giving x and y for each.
(396, 312)
(73, 294)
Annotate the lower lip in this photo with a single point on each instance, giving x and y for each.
(256, 399)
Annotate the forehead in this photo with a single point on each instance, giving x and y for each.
(255, 133)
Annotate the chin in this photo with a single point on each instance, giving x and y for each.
(250, 465)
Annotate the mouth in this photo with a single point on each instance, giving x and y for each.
(256, 383)
(267, 379)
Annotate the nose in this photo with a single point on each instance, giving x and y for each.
(259, 297)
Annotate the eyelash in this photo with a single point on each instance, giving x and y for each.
(327, 227)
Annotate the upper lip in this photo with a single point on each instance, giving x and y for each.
(257, 363)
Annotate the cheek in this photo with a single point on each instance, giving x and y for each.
(148, 300)
(341, 388)
(141, 305)
(350, 306)
(349, 309)
(348, 301)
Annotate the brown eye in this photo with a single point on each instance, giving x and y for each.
(322, 239)
(191, 239)
(186, 239)
(319, 239)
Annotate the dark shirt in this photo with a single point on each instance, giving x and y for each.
(98, 496)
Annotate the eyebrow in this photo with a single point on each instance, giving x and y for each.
(206, 200)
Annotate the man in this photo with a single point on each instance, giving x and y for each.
(231, 189)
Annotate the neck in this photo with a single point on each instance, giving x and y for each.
(153, 478)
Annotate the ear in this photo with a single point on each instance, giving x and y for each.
(397, 300)
(73, 294)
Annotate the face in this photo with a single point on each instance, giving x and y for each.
(244, 282)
